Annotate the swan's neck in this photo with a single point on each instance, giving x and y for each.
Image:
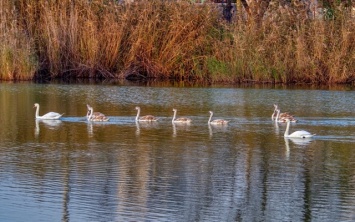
(209, 120)
(174, 116)
(88, 114)
(37, 111)
(273, 114)
(138, 112)
(287, 129)
(91, 110)
(278, 115)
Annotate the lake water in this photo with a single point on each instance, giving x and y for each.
(72, 170)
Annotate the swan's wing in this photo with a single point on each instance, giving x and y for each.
(183, 119)
(148, 118)
(301, 134)
(51, 115)
(219, 121)
(97, 116)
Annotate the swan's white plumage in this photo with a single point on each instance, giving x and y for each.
(50, 115)
(296, 134)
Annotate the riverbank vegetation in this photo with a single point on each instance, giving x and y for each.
(173, 40)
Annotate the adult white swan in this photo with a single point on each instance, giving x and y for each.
(297, 134)
(216, 121)
(180, 119)
(95, 116)
(147, 118)
(50, 115)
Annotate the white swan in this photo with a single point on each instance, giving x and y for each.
(282, 116)
(147, 118)
(216, 121)
(50, 115)
(180, 119)
(297, 134)
(95, 116)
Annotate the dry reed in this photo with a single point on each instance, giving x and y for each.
(172, 40)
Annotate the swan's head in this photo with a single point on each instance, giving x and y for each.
(88, 106)
(174, 110)
(276, 106)
(36, 105)
(210, 112)
(137, 108)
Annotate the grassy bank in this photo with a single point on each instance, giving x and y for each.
(169, 40)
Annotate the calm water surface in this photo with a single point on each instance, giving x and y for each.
(72, 170)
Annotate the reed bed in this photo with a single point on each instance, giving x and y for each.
(171, 40)
(17, 58)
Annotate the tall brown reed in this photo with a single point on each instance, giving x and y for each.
(290, 47)
(17, 58)
(176, 40)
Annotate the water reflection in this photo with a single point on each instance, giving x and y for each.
(216, 128)
(127, 171)
(145, 126)
(183, 126)
(297, 141)
(49, 124)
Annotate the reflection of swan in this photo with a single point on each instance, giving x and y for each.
(180, 126)
(90, 129)
(216, 121)
(297, 134)
(138, 129)
(217, 128)
(50, 115)
(147, 118)
(95, 116)
(301, 141)
(282, 117)
(145, 125)
(287, 149)
(50, 123)
(181, 119)
(277, 130)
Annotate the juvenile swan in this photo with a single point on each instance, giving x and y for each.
(50, 115)
(95, 116)
(147, 118)
(282, 117)
(297, 134)
(180, 119)
(216, 121)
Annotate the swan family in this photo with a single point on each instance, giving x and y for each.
(288, 118)
(92, 116)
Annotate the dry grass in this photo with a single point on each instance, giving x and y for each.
(171, 40)
(17, 60)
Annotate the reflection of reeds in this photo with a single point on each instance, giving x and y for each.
(169, 39)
